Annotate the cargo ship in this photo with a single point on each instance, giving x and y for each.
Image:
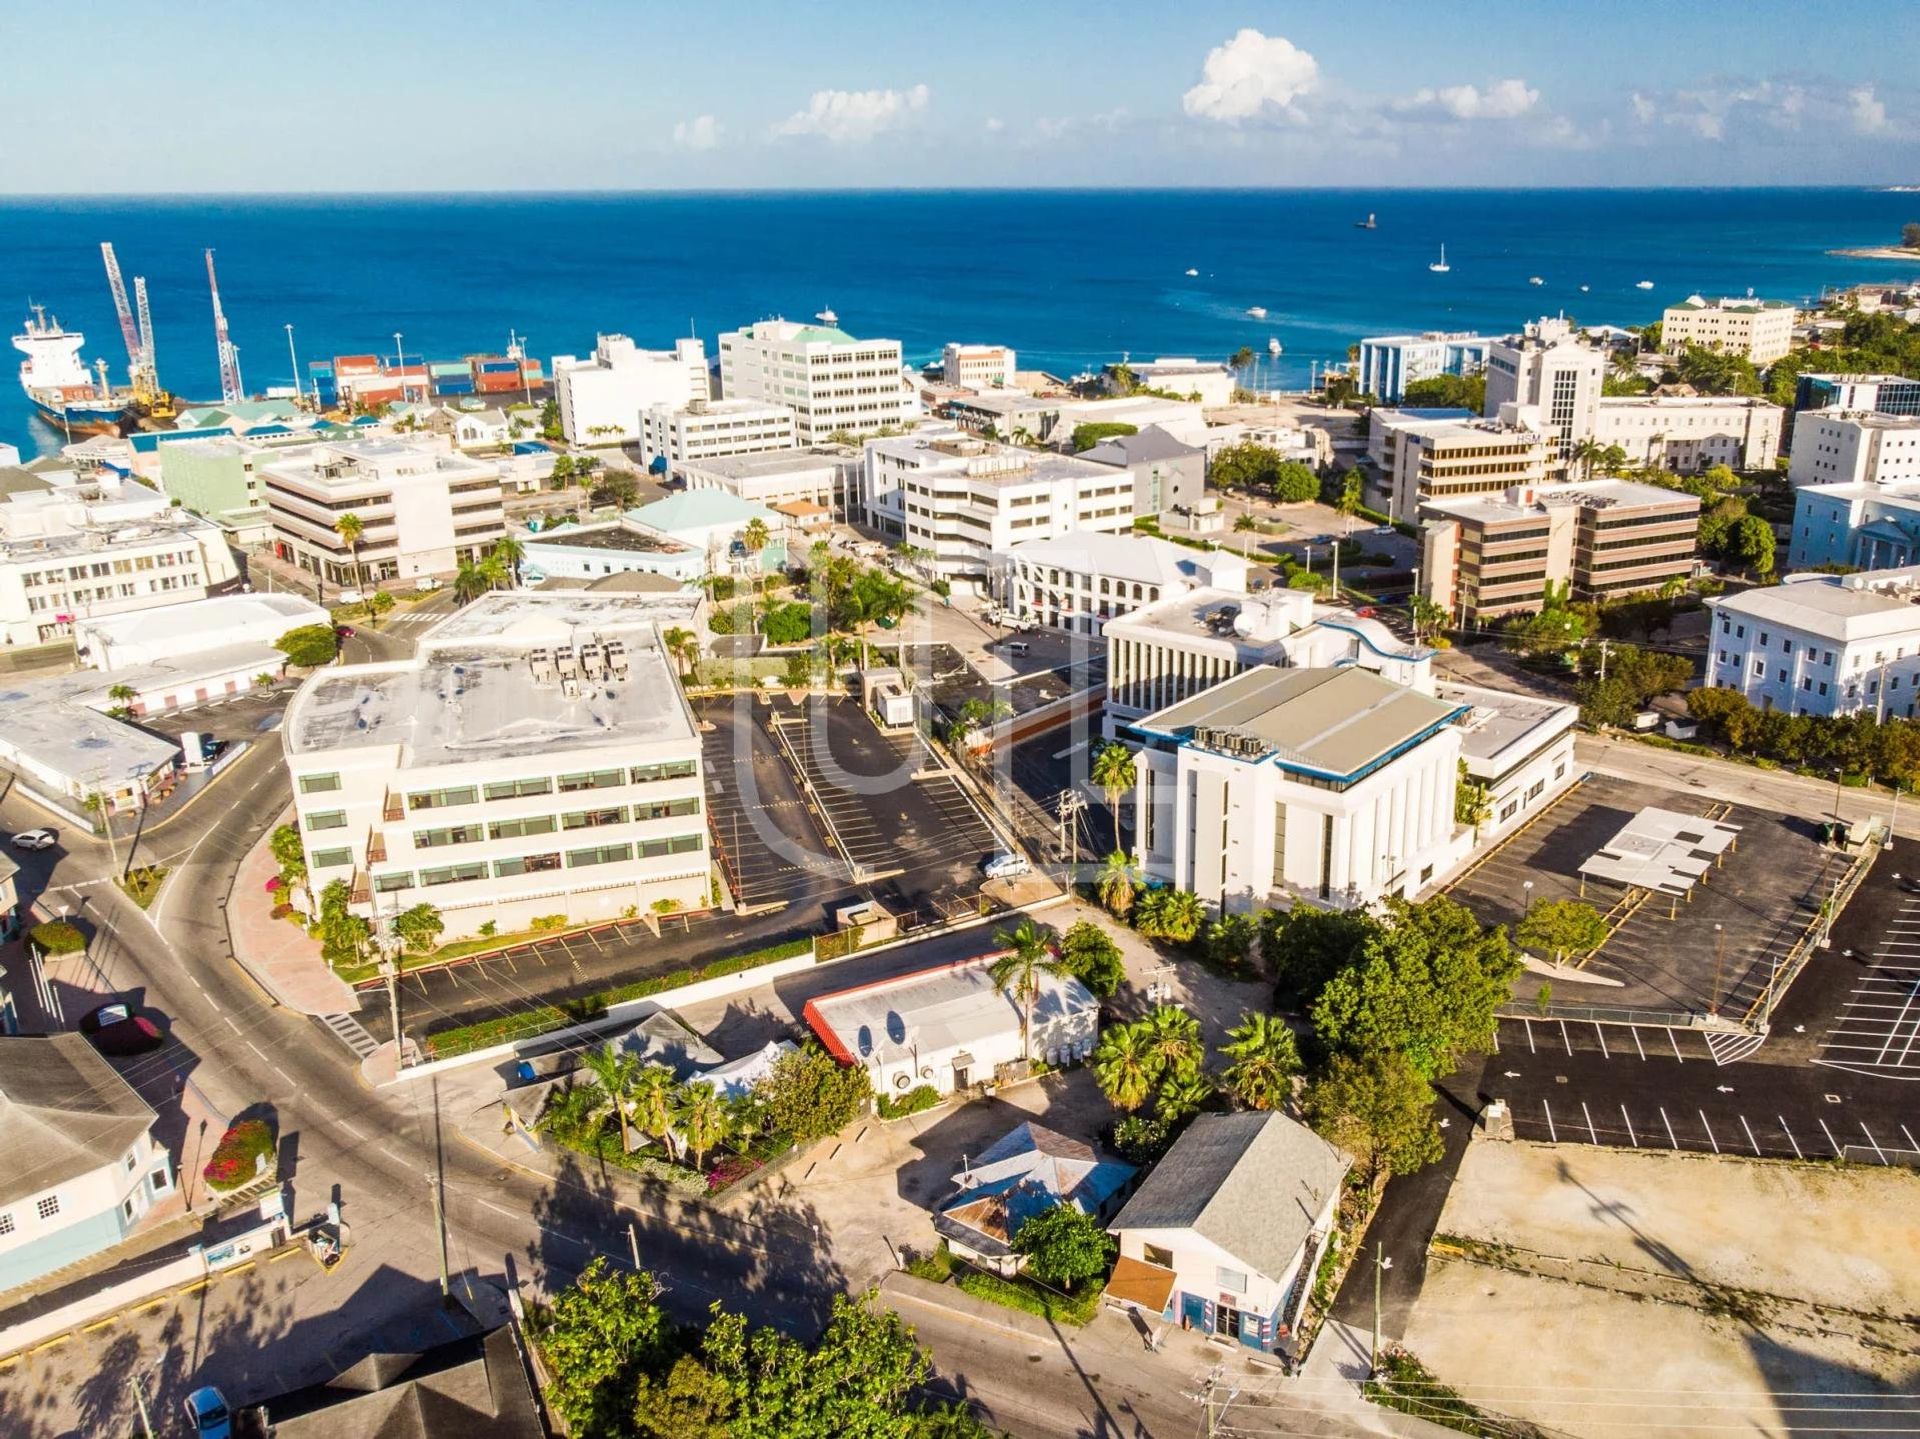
(57, 382)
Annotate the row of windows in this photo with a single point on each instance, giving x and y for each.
(523, 788)
(539, 863)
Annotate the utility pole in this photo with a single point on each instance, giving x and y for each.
(391, 969)
(1719, 950)
(1381, 1264)
(1071, 804)
(1605, 645)
(633, 1243)
(140, 1399)
(1214, 1395)
(440, 1230)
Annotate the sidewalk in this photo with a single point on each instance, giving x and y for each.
(277, 954)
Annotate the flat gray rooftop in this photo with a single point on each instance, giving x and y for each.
(765, 462)
(1501, 719)
(525, 619)
(607, 537)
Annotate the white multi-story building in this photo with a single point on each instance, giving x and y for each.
(1549, 367)
(1860, 525)
(1080, 580)
(962, 499)
(1822, 644)
(1860, 447)
(834, 383)
(1329, 786)
(534, 758)
(1690, 434)
(95, 548)
(710, 429)
(1204, 382)
(1517, 747)
(422, 508)
(978, 367)
(1421, 455)
(83, 1167)
(825, 476)
(1760, 330)
(1889, 394)
(1389, 363)
(602, 397)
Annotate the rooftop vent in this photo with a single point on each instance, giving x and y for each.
(540, 662)
(618, 661)
(593, 662)
(568, 665)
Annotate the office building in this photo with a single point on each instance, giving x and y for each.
(219, 478)
(1884, 394)
(422, 509)
(1169, 475)
(1209, 1242)
(196, 627)
(1485, 556)
(1822, 644)
(827, 476)
(1854, 447)
(1756, 330)
(534, 758)
(1517, 747)
(1079, 580)
(835, 384)
(1329, 786)
(1856, 524)
(1389, 363)
(951, 1027)
(1443, 454)
(602, 397)
(962, 500)
(1203, 382)
(710, 429)
(83, 1166)
(88, 549)
(1551, 368)
(617, 547)
(978, 367)
(1689, 434)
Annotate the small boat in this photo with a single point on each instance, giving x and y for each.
(1258, 312)
(1366, 224)
(1535, 280)
(827, 317)
(1644, 285)
(1191, 271)
(1585, 288)
(1440, 266)
(1273, 347)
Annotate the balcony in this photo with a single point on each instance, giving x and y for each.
(377, 847)
(394, 809)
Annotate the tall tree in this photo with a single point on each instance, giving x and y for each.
(1379, 1110)
(1119, 879)
(703, 1117)
(652, 1097)
(350, 527)
(1029, 955)
(420, 927)
(1064, 1245)
(600, 1334)
(616, 1071)
(1123, 1066)
(1113, 773)
(1264, 1059)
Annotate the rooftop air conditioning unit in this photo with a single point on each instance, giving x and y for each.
(540, 662)
(592, 662)
(617, 660)
(568, 664)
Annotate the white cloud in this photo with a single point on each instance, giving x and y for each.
(1869, 114)
(1644, 110)
(851, 116)
(995, 124)
(1502, 100)
(1250, 75)
(702, 132)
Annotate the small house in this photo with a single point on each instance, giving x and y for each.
(1025, 1173)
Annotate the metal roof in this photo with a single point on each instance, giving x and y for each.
(64, 1112)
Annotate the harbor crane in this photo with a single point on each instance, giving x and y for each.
(128, 331)
(231, 391)
(137, 330)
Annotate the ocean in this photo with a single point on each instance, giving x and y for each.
(1071, 278)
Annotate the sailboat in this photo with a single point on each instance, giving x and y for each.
(1257, 312)
(1273, 345)
(1366, 224)
(1535, 280)
(1440, 266)
(1191, 272)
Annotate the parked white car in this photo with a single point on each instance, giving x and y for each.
(1006, 866)
(425, 585)
(348, 597)
(34, 839)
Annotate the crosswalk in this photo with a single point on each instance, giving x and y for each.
(350, 1032)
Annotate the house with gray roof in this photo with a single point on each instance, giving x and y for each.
(82, 1167)
(1023, 1174)
(1169, 474)
(1226, 1233)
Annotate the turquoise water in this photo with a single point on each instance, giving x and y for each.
(1072, 278)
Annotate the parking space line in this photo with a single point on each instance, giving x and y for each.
(1552, 1133)
(1605, 1053)
(1790, 1139)
(1750, 1139)
(1871, 1140)
(1531, 1047)
(1634, 1030)
(1592, 1133)
(1676, 1046)
(1629, 1122)
(1565, 1038)
(1838, 1151)
(1912, 1148)
(1709, 1128)
(1672, 1143)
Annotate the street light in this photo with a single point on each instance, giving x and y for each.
(1719, 950)
(1526, 898)
(1381, 1264)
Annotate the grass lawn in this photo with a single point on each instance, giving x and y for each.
(1075, 1308)
(141, 885)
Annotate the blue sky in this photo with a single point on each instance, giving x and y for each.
(855, 94)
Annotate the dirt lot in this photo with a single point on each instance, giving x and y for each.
(1681, 1293)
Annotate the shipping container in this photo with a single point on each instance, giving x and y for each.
(497, 384)
(531, 369)
(448, 367)
(495, 367)
(356, 364)
(453, 384)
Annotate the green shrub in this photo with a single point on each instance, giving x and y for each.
(1075, 1308)
(309, 646)
(547, 923)
(236, 1158)
(57, 937)
(936, 1268)
(920, 1097)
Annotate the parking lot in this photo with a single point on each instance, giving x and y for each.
(1877, 1030)
(769, 843)
(900, 820)
(1672, 959)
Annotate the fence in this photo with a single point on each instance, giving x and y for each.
(1760, 1012)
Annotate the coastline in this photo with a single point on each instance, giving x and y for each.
(1878, 252)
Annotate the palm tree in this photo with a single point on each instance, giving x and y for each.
(1585, 454)
(470, 582)
(1117, 880)
(653, 1103)
(1265, 1059)
(1029, 955)
(1114, 775)
(703, 1117)
(350, 527)
(675, 641)
(510, 552)
(1122, 1066)
(1173, 1041)
(1180, 1096)
(616, 1070)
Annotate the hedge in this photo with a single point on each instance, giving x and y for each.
(236, 1159)
(920, 1097)
(56, 936)
(1075, 1308)
(545, 1018)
